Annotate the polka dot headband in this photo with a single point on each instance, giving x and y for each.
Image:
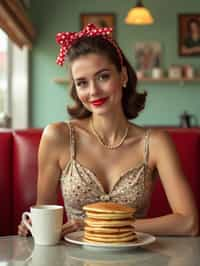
(67, 39)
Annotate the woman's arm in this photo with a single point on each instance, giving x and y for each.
(48, 165)
(184, 217)
(54, 143)
(49, 159)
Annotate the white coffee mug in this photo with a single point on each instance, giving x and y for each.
(46, 223)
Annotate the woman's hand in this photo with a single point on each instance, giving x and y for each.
(22, 229)
(71, 226)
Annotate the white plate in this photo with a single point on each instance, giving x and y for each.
(142, 239)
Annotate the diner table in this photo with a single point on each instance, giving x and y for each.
(171, 251)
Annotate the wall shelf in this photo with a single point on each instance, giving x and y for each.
(150, 80)
(167, 80)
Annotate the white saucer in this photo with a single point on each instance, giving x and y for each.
(142, 240)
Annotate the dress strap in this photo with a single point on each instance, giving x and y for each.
(72, 140)
(146, 146)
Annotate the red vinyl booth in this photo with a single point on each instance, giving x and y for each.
(5, 182)
(18, 173)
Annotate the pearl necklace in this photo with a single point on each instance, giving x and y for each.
(101, 141)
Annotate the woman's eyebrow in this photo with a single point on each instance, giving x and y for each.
(95, 74)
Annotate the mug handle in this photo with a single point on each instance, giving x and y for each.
(24, 215)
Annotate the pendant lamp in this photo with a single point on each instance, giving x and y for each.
(139, 15)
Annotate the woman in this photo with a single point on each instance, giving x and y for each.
(99, 155)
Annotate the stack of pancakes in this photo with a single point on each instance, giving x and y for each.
(108, 222)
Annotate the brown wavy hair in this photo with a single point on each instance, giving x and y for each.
(132, 101)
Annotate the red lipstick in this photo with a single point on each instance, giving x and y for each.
(99, 102)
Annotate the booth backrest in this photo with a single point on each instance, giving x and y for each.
(187, 142)
(25, 148)
(5, 182)
(18, 173)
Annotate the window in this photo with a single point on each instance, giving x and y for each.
(14, 84)
(4, 95)
(14, 63)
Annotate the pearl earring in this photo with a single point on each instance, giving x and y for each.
(124, 85)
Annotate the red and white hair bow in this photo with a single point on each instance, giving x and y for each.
(67, 39)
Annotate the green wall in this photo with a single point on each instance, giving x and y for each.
(165, 102)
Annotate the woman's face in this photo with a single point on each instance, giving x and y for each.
(98, 83)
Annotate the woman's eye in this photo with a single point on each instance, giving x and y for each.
(104, 76)
(81, 84)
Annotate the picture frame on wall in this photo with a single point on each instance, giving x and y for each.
(147, 55)
(189, 34)
(100, 20)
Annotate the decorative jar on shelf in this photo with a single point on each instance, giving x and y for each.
(188, 71)
(157, 73)
(175, 72)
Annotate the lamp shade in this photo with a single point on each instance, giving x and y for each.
(139, 15)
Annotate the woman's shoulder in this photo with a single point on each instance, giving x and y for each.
(159, 142)
(56, 133)
(159, 135)
(156, 135)
(60, 131)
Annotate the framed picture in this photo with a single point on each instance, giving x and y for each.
(99, 19)
(189, 34)
(147, 55)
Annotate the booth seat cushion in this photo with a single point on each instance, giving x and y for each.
(5, 181)
(188, 146)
